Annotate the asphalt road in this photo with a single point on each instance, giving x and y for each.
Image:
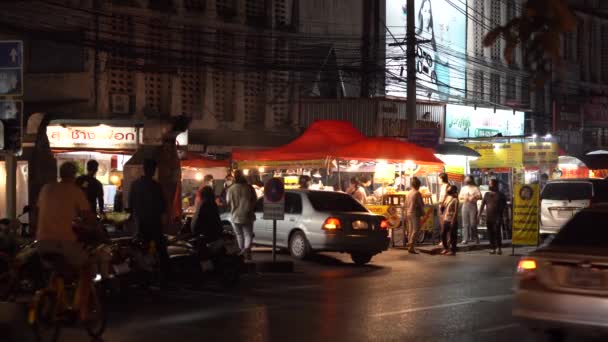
(398, 297)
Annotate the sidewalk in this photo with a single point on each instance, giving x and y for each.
(483, 245)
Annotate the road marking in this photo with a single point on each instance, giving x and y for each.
(446, 305)
(498, 328)
(287, 289)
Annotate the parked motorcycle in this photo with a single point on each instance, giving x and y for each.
(192, 255)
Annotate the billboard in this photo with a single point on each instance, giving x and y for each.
(468, 122)
(440, 57)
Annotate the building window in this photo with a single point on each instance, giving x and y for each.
(224, 83)
(604, 53)
(192, 94)
(195, 5)
(280, 14)
(226, 9)
(495, 17)
(495, 88)
(256, 12)
(511, 87)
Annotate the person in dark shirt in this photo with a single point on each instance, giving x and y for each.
(93, 188)
(206, 220)
(147, 204)
(495, 202)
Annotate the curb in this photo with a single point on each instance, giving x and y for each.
(435, 250)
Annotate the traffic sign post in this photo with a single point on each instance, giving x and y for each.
(11, 68)
(274, 207)
(11, 114)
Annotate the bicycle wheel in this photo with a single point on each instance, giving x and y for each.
(44, 319)
(96, 325)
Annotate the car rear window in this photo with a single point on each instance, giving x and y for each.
(568, 191)
(585, 229)
(334, 202)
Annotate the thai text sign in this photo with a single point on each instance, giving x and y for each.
(92, 137)
(525, 215)
(540, 153)
(495, 155)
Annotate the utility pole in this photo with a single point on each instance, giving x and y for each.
(411, 67)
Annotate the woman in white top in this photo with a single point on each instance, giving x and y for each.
(357, 191)
(469, 195)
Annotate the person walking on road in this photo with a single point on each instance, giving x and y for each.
(449, 230)
(495, 203)
(92, 188)
(414, 211)
(148, 205)
(469, 195)
(241, 199)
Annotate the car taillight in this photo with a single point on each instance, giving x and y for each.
(384, 224)
(332, 223)
(526, 267)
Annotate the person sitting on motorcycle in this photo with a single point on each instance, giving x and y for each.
(206, 220)
(59, 206)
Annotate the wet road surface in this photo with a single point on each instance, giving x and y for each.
(398, 297)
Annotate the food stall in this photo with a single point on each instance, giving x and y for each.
(335, 151)
(395, 163)
(110, 146)
(194, 168)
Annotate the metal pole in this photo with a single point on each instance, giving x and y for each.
(411, 67)
(274, 241)
(11, 185)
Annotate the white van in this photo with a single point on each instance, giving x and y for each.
(561, 199)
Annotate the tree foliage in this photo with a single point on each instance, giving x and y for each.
(538, 31)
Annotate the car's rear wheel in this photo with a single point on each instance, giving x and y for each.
(298, 245)
(361, 259)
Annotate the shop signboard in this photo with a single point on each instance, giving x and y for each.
(425, 137)
(97, 137)
(497, 155)
(540, 153)
(440, 64)
(468, 122)
(525, 215)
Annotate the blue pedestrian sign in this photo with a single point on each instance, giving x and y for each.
(11, 68)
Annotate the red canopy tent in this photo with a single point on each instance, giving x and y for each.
(388, 149)
(319, 141)
(197, 161)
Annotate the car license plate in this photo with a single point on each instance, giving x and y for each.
(586, 278)
(360, 225)
(564, 214)
(121, 268)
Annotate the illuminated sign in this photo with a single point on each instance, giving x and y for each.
(468, 122)
(497, 155)
(440, 55)
(98, 137)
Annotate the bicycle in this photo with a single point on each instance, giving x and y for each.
(53, 307)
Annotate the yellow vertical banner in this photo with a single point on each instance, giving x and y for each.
(525, 215)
